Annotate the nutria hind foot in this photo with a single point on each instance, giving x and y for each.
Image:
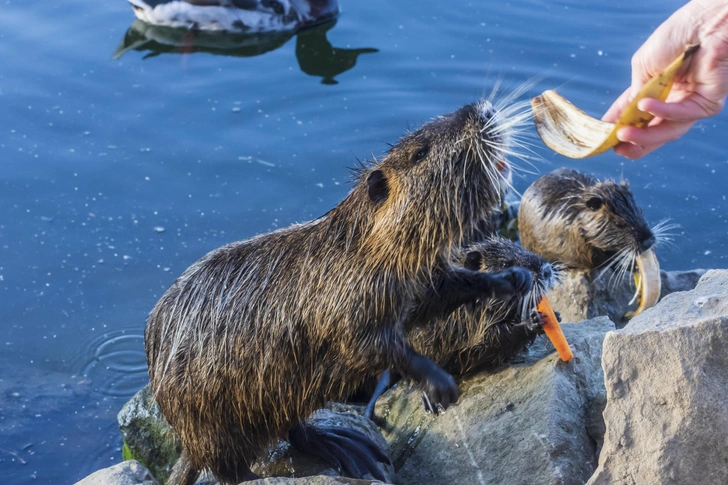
(350, 451)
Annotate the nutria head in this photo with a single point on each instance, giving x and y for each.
(431, 188)
(498, 253)
(578, 220)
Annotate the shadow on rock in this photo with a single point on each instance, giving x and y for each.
(315, 54)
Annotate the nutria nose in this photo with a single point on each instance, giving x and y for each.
(647, 242)
(546, 272)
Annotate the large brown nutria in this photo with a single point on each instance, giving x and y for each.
(489, 332)
(577, 220)
(258, 334)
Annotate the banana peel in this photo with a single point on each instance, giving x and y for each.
(648, 282)
(569, 131)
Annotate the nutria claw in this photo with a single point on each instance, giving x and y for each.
(537, 320)
(510, 283)
(440, 389)
(350, 451)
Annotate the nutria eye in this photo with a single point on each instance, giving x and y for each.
(595, 203)
(420, 155)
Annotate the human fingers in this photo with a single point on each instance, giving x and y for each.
(633, 152)
(688, 110)
(658, 134)
(638, 142)
(617, 107)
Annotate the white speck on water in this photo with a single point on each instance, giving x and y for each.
(320, 185)
(707, 252)
(600, 52)
(126, 257)
(158, 229)
(236, 109)
(263, 162)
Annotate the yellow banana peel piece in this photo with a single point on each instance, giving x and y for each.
(648, 282)
(569, 131)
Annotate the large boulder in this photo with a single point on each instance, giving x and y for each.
(525, 423)
(150, 439)
(666, 377)
(588, 294)
(125, 473)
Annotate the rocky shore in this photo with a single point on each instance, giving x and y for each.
(643, 402)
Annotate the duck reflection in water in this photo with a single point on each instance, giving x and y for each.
(315, 54)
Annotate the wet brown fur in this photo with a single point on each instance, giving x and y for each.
(489, 332)
(258, 334)
(574, 219)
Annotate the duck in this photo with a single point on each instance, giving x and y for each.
(241, 16)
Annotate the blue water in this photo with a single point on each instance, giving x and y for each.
(117, 173)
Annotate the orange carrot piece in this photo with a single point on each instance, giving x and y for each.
(553, 330)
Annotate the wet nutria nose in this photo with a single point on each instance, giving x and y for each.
(546, 272)
(647, 242)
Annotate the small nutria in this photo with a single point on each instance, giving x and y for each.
(258, 334)
(583, 223)
(486, 333)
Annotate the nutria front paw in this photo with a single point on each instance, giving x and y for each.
(510, 283)
(440, 389)
(537, 320)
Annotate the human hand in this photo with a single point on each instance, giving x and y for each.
(697, 92)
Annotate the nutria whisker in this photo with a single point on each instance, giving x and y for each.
(611, 262)
(625, 265)
(517, 92)
(664, 238)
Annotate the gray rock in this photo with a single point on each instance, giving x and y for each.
(317, 480)
(147, 436)
(522, 424)
(586, 294)
(150, 439)
(125, 473)
(666, 377)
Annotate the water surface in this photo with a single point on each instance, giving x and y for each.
(122, 167)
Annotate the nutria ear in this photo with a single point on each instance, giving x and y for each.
(378, 186)
(473, 260)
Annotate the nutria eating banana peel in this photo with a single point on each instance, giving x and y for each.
(569, 131)
(648, 282)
